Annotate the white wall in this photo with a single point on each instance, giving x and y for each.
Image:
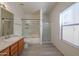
(18, 15)
(55, 29)
(32, 16)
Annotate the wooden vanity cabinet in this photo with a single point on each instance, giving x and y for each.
(14, 49)
(5, 52)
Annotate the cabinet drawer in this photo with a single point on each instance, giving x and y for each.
(5, 52)
(21, 41)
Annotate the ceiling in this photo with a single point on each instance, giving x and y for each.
(34, 7)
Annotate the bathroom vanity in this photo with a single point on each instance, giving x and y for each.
(12, 46)
(9, 46)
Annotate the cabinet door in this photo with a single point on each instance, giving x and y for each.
(68, 33)
(14, 48)
(5, 52)
(21, 45)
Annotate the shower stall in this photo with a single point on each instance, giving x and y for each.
(31, 30)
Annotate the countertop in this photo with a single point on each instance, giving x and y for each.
(4, 43)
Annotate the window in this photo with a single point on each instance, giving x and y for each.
(70, 24)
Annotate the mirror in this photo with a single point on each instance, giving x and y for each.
(6, 22)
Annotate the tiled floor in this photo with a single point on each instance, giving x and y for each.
(41, 50)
